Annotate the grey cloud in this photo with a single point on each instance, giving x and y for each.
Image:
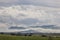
(19, 15)
(29, 21)
(7, 19)
(10, 20)
(8, 1)
(47, 3)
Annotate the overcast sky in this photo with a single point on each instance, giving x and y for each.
(27, 13)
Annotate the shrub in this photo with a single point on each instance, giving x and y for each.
(44, 36)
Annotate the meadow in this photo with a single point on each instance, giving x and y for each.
(13, 37)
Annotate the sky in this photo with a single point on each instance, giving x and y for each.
(27, 13)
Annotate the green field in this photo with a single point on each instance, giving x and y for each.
(9, 37)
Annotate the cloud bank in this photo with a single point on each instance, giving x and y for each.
(26, 13)
(29, 15)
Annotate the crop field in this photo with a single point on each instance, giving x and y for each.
(10, 37)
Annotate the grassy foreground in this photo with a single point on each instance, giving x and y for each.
(9, 37)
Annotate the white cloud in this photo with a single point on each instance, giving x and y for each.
(44, 14)
(24, 14)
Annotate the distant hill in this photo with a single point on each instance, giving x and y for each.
(15, 27)
(29, 31)
(46, 27)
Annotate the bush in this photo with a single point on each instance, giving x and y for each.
(1, 33)
(44, 36)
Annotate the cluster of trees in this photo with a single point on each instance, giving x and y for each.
(18, 34)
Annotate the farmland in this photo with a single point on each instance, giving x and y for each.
(13, 37)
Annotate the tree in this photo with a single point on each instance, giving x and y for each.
(49, 38)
